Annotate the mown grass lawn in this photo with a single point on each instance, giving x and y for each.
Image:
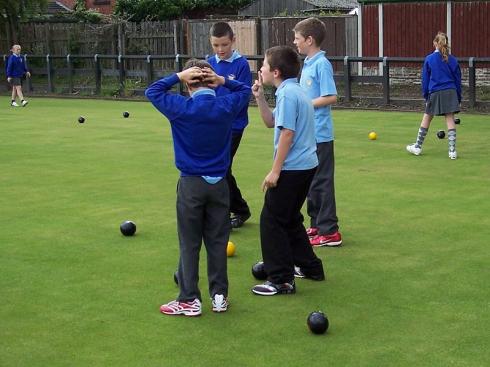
(409, 287)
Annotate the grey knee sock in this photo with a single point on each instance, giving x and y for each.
(420, 137)
(451, 139)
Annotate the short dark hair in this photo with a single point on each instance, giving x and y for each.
(313, 27)
(221, 29)
(200, 64)
(285, 59)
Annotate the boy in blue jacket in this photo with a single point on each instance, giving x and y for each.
(16, 69)
(229, 63)
(201, 128)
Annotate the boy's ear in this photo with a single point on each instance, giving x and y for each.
(276, 73)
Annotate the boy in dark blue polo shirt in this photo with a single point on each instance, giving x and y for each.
(229, 63)
(283, 236)
(201, 129)
(16, 69)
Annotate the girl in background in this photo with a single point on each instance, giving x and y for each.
(441, 87)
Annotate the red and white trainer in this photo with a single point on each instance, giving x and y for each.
(312, 232)
(192, 308)
(332, 240)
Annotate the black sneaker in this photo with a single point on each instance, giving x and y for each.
(237, 220)
(271, 289)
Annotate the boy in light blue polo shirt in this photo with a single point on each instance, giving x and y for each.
(318, 83)
(283, 237)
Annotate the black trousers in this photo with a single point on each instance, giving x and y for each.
(321, 205)
(282, 234)
(202, 216)
(238, 205)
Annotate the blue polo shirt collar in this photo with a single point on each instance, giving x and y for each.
(310, 60)
(284, 82)
(234, 55)
(204, 91)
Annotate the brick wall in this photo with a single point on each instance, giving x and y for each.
(102, 6)
(412, 75)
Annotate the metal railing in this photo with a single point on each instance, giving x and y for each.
(347, 76)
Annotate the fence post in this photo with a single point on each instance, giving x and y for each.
(386, 81)
(29, 80)
(149, 70)
(98, 74)
(347, 86)
(178, 68)
(121, 74)
(472, 82)
(50, 74)
(69, 65)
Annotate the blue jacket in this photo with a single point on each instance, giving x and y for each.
(16, 66)
(239, 70)
(201, 124)
(440, 75)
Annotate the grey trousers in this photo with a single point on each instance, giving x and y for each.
(202, 216)
(320, 202)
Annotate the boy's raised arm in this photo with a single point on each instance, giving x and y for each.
(166, 103)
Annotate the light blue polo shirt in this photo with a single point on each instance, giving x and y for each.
(294, 111)
(317, 80)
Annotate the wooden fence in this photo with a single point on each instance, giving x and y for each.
(253, 36)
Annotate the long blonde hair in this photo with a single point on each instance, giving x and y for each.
(442, 44)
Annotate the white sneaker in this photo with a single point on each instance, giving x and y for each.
(24, 103)
(220, 303)
(14, 104)
(413, 149)
(453, 155)
(297, 272)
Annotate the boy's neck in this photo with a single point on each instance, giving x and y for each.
(313, 51)
(277, 82)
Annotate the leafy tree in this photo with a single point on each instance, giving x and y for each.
(140, 10)
(13, 11)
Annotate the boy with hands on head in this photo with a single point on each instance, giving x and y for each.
(201, 128)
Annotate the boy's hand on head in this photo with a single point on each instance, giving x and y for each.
(214, 80)
(191, 76)
(257, 88)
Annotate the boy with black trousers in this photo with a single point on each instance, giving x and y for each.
(201, 128)
(318, 83)
(283, 236)
(228, 63)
